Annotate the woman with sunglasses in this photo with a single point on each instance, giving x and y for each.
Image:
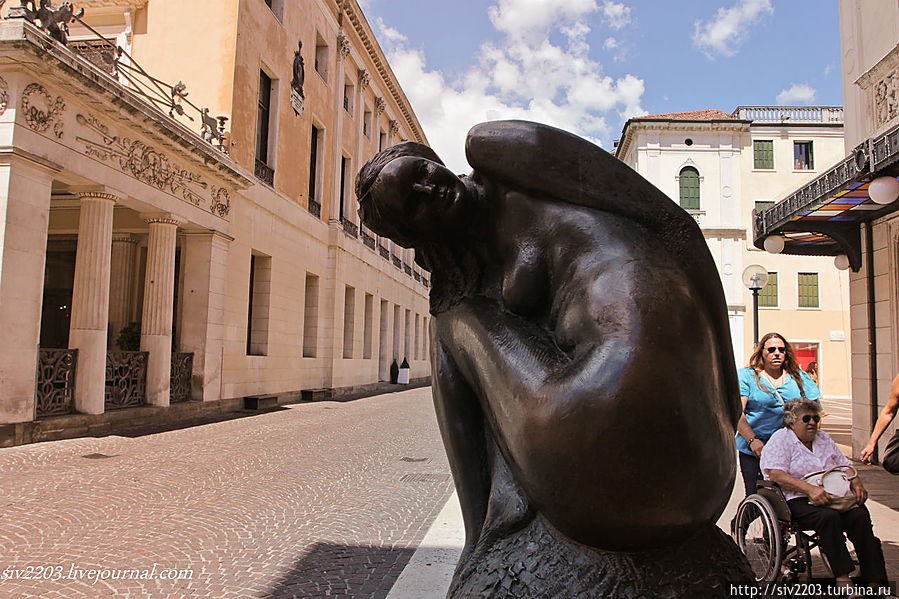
(772, 379)
(800, 449)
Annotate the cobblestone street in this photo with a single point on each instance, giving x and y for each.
(315, 499)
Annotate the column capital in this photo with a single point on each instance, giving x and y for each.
(165, 218)
(124, 238)
(97, 195)
(343, 45)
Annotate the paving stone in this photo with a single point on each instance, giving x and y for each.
(307, 501)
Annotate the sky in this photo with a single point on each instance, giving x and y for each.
(587, 66)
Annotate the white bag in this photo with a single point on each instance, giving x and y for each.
(836, 482)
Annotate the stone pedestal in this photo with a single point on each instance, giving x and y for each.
(90, 300)
(121, 284)
(24, 215)
(202, 330)
(159, 295)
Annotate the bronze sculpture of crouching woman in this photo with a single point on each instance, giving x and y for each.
(581, 362)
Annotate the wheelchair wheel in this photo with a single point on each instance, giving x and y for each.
(759, 537)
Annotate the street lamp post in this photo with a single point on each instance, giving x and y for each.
(755, 277)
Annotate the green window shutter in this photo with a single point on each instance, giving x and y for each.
(808, 290)
(768, 294)
(763, 153)
(689, 188)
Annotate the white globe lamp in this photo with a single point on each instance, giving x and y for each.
(841, 262)
(774, 244)
(884, 190)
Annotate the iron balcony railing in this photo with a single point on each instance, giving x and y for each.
(55, 389)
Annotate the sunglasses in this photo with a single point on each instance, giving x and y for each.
(809, 417)
(771, 350)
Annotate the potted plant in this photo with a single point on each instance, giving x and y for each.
(403, 378)
(394, 372)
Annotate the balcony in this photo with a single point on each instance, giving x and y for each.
(791, 114)
(264, 173)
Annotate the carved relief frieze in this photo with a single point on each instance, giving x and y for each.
(886, 98)
(4, 95)
(380, 106)
(364, 79)
(41, 110)
(148, 165)
(394, 126)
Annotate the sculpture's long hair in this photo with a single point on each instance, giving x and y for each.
(791, 364)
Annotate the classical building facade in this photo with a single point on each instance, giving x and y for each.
(152, 253)
(721, 167)
(836, 215)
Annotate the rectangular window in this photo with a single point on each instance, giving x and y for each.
(382, 141)
(321, 57)
(763, 153)
(762, 205)
(349, 320)
(258, 305)
(348, 93)
(803, 159)
(315, 160)
(310, 317)
(407, 323)
(366, 123)
(345, 175)
(367, 325)
(768, 294)
(808, 290)
(263, 110)
(396, 335)
(417, 352)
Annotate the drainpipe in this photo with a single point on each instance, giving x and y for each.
(872, 328)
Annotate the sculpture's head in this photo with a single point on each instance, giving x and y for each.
(407, 194)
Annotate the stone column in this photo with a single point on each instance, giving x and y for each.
(202, 322)
(159, 297)
(343, 50)
(24, 216)
(90, 300)
(121, 284)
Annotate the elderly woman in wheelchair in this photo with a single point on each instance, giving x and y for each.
(814, 488)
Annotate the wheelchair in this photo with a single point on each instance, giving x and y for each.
(778, 550)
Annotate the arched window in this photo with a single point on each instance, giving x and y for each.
(689, 188)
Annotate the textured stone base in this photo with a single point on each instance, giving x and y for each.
(538, 561)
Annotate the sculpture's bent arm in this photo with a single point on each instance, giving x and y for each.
(577, 423)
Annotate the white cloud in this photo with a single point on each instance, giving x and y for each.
(610, 44)
(616, 15)
(388, 34)
(724, 33)
(798, 93)
(523, 75)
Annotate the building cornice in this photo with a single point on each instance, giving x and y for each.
(376, 54)
(24, 46)
(635, 125)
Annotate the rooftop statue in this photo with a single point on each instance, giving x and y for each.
(582, 365)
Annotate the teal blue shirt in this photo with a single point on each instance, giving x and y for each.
(764, 410)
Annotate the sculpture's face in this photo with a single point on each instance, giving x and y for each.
(414, 198)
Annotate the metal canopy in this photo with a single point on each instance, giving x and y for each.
(823, 218)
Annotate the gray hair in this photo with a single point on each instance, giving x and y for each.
(794, 408)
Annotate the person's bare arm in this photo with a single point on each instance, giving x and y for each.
(746, 431)
(885, 418)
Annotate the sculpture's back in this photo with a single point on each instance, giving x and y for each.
(583, 376)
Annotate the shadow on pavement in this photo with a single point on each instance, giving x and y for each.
(330, 570)
(164, 427)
